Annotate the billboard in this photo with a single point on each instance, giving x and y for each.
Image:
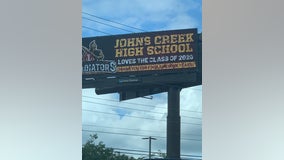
(140, 53)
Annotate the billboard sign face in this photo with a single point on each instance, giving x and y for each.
(140, 53)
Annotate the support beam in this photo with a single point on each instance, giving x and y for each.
(173, 124)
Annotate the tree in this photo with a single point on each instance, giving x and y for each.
(161, 154)
(93, 151)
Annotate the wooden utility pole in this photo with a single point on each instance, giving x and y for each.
(150, 138)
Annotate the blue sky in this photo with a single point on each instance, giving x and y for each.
(148, 15)
(119, 117)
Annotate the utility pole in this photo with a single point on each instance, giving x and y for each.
(150, 138)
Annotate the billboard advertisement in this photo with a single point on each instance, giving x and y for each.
(140, 53)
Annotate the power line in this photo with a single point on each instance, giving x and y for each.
(129, 129)
(134, 150)
(124, 115)
(119, 101)
(142, 151)
(113, 21)
(107, 24)
(139, 154)
(122, 128)
(122, 107)
(152, 106)
(136, 116)
(113, 106)
(125, 134)
(135, 135)
(96, 30)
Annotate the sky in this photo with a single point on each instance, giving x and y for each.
(122, 125)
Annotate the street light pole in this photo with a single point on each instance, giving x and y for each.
(150, 138)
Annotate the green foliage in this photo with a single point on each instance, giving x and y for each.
(160, 154)
(93, 151)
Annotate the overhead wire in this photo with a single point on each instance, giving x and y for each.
(141, 110)
(119, 101)
(107, 24)
(136, 116)
(96, 30)
(136, 135)
(113, 106)
(152, 106)
(139, 154)
(114, 21)
(144, 151)
(128, 102)
(132, 129)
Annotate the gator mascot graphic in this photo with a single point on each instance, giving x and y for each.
(92, 53)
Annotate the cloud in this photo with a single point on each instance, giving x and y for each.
(107, 116)
(151, 123)
(146, 14)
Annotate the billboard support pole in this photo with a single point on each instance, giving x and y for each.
(173, 123)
